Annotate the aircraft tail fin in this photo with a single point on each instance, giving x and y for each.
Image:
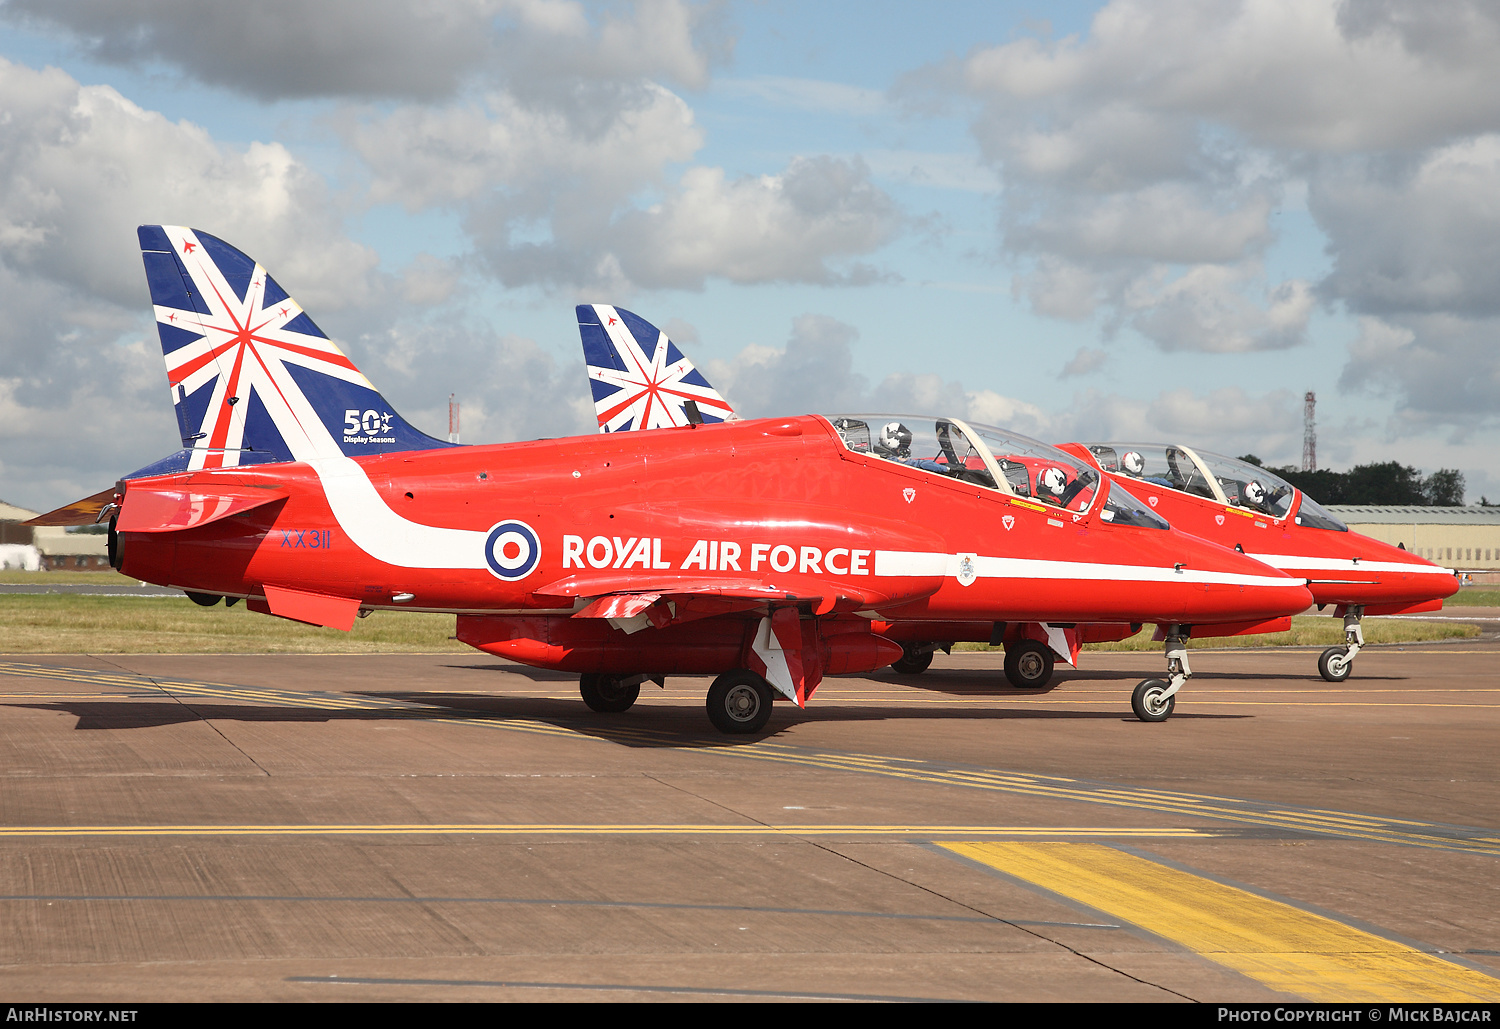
(639, 379)
(253, 379)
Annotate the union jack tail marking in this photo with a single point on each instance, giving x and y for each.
(253, 379)
(639, 379)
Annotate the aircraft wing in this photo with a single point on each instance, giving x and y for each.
(637, 600)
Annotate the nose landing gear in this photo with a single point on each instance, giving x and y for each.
(1335, 663)
(1154, 700)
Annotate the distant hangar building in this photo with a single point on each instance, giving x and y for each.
(1463, 538)
(55, 547)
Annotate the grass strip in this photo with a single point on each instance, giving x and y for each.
(1307, 631)
(69, 624)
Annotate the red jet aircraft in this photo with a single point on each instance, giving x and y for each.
(1241, 505)
(762, 552)
(639, 379)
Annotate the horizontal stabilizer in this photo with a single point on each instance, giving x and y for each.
(79, 512)
(170, 509)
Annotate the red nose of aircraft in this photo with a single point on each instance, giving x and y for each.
(1374, 572)
(1234, 588)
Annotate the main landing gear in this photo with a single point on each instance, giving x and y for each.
(1153, 700)
(739, 701)
(609, 693)
(915, 657)
(1335, 663)
(1028, 664)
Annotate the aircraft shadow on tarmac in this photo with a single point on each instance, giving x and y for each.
(964, 681)
(651, 724)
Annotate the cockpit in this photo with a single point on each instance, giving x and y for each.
(993, 458)
(1224, 480)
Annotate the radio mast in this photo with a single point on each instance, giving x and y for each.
(453, 418)
(1309, 433)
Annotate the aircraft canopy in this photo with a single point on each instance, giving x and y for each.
(990, 457)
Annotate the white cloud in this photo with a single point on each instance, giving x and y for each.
(284, 48)
(1088, 359)
(1313, 75)
(391, 49)
(81, 167)
(767, 228)
(1228, 421)
(1419, 235)
(526, 153)
(1206, 309)
(807, 95)
(1143, 162)
(816, 372)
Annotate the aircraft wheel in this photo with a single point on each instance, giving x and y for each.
(1333, 665)
(604, 692)
(205, 599)
(912, 662)
(1148, 704)
(1028, 664)
(739, 701)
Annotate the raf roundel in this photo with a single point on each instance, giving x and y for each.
(512, 550)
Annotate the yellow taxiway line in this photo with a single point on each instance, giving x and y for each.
(1275, 943)
(924, 832)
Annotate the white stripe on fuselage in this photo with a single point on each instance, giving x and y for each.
(1346, 564)
(380, 532)
(900, 562)
(386, 536)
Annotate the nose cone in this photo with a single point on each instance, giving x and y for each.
(1400, 575)
(1238, 588)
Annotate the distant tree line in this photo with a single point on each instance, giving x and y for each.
(1387, 483)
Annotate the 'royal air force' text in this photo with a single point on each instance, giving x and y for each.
(713, 556)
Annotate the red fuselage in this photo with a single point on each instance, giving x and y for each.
(1342, 568)
(522, 539)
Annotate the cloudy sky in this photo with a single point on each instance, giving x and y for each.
(1147, 220)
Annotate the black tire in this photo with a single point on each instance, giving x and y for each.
(205, 599)
(912, 662)
(1147, 704)
(1028, 664)
(739, 701)
(604, 693)
(1332, 665)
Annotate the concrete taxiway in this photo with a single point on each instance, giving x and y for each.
(460, 828)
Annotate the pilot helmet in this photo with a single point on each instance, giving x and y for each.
(1255, 493)
(1133, 463)
(1052, 480)
(895, 439)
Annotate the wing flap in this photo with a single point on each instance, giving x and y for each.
(801, 589)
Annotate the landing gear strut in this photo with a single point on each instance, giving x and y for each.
(1154, 700)
(1335, 663)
